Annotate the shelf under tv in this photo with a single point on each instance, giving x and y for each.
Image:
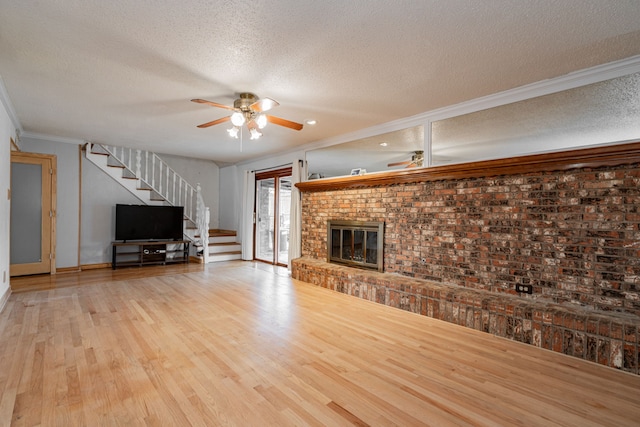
(148, 252)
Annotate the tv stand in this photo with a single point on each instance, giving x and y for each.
(150, 252)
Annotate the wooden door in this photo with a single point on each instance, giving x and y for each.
(32, 230)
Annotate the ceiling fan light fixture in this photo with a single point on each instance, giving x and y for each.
(233, 132)
(261, 121)
(255, 133)
(248, 110)
(237, 118)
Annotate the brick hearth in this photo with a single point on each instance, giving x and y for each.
(598, 337)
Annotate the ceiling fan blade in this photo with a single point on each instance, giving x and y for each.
(282, 122)
(407, 162)
(213, 104)
(411, 165)
(264, 104)
(215, 122)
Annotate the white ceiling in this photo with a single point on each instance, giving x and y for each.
(123, 72)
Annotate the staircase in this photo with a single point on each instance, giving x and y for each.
(223, 246)
(153, 182)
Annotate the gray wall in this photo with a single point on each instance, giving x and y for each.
(230, 198)
(100, 194)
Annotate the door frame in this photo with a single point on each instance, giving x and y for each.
(48, 162)
(276, 174)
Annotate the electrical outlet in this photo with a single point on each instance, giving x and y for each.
(527, 289)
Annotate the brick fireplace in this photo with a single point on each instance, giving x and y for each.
(459, 240)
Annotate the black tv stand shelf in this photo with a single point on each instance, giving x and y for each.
(149, 253)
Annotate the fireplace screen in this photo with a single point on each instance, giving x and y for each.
(355, 243)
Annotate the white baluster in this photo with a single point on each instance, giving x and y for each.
(174, 189)
(167, 184)
(198, 196)
(146, 166)
(153, 171)
(138, 163)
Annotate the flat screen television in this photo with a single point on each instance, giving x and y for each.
(143, 222)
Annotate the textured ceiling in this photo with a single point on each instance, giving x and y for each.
(122, 72)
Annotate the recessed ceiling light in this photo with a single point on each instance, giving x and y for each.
(310, 122)
(383, 144)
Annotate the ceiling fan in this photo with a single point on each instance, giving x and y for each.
(417, 160)
(249, 109)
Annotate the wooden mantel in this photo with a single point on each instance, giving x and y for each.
(609, 155)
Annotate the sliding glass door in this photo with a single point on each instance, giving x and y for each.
(273, 204)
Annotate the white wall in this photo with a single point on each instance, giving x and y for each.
(67, 193)
(7, 131)
(230, 198)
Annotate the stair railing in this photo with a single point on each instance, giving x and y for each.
(202, 225)
(155, 174)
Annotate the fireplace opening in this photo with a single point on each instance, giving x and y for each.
(356, 243)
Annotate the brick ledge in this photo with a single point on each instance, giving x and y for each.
(608, 338)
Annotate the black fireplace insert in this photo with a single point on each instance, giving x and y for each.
(356, 243)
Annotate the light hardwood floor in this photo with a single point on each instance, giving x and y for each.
(243, 344)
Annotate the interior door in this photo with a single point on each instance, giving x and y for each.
(32, 214)
(273, 205)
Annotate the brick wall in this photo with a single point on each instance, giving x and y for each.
(460, 246)
(574, 236)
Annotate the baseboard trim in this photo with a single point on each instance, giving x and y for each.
(67, 270)
(95, 266)
(4, 299)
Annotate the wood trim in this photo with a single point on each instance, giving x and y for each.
(53, 202)
(275, 173)
(609, 155)
(68, 270)
(80, 149)
(95, 266)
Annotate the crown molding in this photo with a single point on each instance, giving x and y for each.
(568, 81)
(51, 138)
